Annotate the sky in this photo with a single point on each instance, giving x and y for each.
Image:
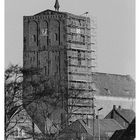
(115, 30)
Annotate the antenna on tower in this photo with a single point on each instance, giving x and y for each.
(56, 6)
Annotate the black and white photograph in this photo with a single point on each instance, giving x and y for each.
(69, 70)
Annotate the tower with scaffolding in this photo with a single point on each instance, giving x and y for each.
(61, 47)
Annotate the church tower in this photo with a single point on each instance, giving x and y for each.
(56, 54)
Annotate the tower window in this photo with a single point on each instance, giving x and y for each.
(56, 37)
(34, 38)
(32, 33)
(47, 40)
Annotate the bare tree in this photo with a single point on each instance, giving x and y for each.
(46, 93)
(45, 97)
(13, 97)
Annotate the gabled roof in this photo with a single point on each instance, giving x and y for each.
(127, 114)
(113, 85)
(106, 125)
(78, 126)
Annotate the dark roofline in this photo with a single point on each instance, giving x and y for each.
(121, 116)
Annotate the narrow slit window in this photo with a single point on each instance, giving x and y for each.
(34, 38)
(56, 37)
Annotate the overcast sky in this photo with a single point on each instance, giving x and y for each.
(115, 30)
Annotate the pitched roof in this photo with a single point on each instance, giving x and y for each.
(128, 114)
(106, 125)
(78, 126)
(113, 85)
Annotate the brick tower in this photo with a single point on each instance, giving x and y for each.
(57, 50)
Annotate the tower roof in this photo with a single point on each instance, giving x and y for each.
(56, 6)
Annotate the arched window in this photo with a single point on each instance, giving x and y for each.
(55, 32)
(56, 37)
(32, 33)
(43, 33)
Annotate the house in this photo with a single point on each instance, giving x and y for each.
(117, 134)
(77, 130)
(123, 116)
(83, 131)
(22, 127)
(125, 134)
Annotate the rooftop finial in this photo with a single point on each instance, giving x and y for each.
(56, 6)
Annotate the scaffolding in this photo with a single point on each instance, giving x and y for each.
(80, 91)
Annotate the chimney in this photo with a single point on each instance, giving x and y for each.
(113, 111)
(114, 107)
(119, 107)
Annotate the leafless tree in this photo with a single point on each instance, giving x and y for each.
(45, 91)
(13, 97)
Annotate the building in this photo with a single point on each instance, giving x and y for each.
(56, 56)
(123, 116)
(113, 89)
(125, 134)
(83, 131)
(22, 127)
